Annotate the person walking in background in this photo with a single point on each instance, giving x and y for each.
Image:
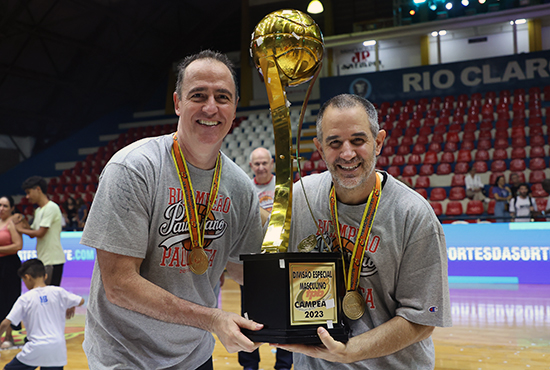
(46, 228)
(10, 284)
(261, 163)
(502, 195)
(43, 309)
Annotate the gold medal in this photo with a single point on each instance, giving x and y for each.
(308, 244)
(353, 305)
(197, 260)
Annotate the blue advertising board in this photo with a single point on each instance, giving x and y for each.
(481, 75)
(477, 253)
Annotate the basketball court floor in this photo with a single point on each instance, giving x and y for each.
(496, 326)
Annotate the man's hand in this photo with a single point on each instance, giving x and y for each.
(331, 350)
(227, 326)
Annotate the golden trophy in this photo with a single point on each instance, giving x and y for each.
(290, 293)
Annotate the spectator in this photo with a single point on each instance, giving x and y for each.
(46, 228)
(502, 195)
(10, 284)
(43, 309)
(546, 187)
(523, 207)
(474, 186)
(515, 182)
(82, 213)
(70, 214)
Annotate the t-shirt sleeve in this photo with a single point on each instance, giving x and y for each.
(48, 216)
(16, 313)
(422, 289)
(250, 239)
(118, 221)
(70, 300)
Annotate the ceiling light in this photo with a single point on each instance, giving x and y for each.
(449, 6)
(369, 43)
(482, 1)
(419, 1)
(315, 7)
(465, 2)
(412, 12)
(442, 33)
(434, 33)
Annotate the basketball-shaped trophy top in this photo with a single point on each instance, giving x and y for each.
(294, 42)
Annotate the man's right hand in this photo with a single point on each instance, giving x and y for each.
(227, 327)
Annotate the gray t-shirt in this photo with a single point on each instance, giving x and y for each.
(139, 211)
(404, 268)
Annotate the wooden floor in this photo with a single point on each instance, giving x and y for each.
(495, 327)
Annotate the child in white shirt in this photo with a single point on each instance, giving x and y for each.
(43, 309)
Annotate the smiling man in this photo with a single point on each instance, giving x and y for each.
(399, 292)
(170, 214)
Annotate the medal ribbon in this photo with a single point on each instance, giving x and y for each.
(191, 211)
(352, 275)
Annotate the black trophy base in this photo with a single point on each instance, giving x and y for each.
(266, 298)
(294, 336)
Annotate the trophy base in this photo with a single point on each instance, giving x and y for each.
(294, 336)
(272, 296)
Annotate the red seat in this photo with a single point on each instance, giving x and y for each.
(518, 142)
(444, 169)
(535, 121)
(409, 170)
(484, 144)
(426, 170)
(440, 129)
(307, 167)
(454, 208)
(501, 143)
(422, 182)
(482, 155)
(315, 156)
(430, 158)
(450, 146)
(382, 162)
(437, 138)
(491, 207)
(414, 159)
(536, 164)
(481, 166)
(518, 122)
(453, 137)
(388, 151)
(457, 193)
(486, 135)
(517, 165)
(474, 208)
(501, 134)
(541, 203)
(518, 153)
(498, 166)
(394, 171)
(486, 126)
(518, 131)
(537, 152)
(521, 176)
(464, 155)
(500, 154)
(536, 131)
(470, 127)
(537, 177)
(410, 132)
(425, 131)
(429, 121)
(502, 124)
(447, 157)
(537, 141)
(403, 150)
(458, 180)
(419, 148)
(467, 145)
(437, 207)
(469, 136)
(455, 127)
(438, 194)
(493, 179)
(398, 160)
(537, 191)
(461, 168)
(434, 147)
(422, 192)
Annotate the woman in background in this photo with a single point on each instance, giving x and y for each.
(10, 284)
(70, 213)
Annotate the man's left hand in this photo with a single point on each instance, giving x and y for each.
(330, 350)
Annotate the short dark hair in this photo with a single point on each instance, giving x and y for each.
(205, 54)
(498, 178)
(35, 181)
(33, 267)
(349, 101)
(526, 185)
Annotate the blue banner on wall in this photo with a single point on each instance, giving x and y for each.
(477, 253)
(481, 75)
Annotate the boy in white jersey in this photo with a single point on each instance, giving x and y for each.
(43, 309)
